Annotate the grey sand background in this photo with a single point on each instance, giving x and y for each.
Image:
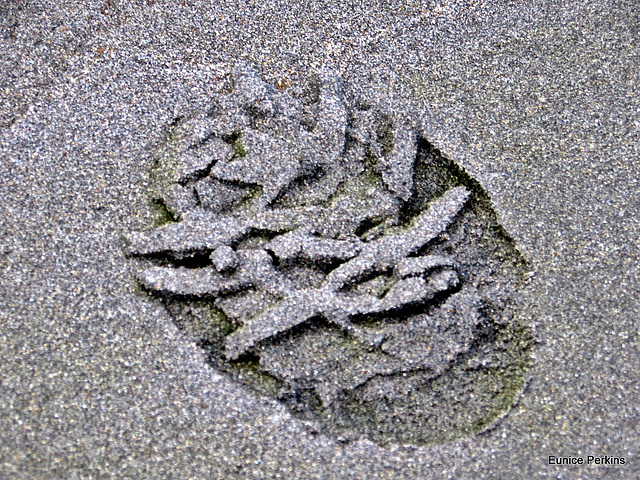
(537, 100)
